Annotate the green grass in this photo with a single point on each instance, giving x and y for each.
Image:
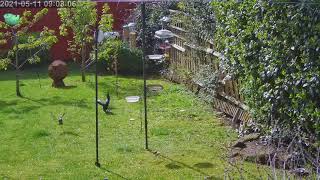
(185, 134)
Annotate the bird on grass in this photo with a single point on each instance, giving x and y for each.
(60, 118)
(105, 105)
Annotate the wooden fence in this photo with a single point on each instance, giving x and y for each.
(189, 58)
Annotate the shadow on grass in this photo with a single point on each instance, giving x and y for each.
(67, 87)
(113, 173)
(177, 164)
(8, 103)
(57, 100)
(124, 89)
(20, 110)
(41, 133)
(21, 107)
(69, 133)
(32, 72)
(173, 165)
(204, 165)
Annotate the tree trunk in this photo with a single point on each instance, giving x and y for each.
(18, 83)
(83, 65)
(17, 69)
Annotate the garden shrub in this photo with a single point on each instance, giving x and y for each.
(108, 52)
(198, 19)
(129, 59)
(208, 81)
(273, 48)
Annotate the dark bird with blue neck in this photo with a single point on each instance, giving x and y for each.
(105, 104)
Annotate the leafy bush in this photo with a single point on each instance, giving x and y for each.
(129, 60)
(108, 52)
(274, 49)
(207, 79)
(197, 18)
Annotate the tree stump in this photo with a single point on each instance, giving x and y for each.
(58, 70)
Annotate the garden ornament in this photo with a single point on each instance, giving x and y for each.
(11, 19)
(58, 70)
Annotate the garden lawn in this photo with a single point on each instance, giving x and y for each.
(187, 141)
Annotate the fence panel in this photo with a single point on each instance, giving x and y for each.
(188, 57)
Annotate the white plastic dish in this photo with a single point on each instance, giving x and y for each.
(132, 99)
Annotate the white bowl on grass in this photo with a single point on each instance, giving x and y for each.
(132, 99)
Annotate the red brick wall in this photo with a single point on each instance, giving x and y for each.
(120, 12)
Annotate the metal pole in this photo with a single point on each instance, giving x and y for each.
(96, 79)
(143, 17)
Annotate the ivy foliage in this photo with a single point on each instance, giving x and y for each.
(274, 49)
(8, 34)
(197, 18)
(208, 81)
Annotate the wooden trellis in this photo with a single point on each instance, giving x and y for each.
(184, 55)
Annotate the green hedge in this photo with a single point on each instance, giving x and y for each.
(274, 49)
(130, 61)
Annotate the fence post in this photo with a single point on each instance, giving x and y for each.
(132, 39)
(125, 34)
